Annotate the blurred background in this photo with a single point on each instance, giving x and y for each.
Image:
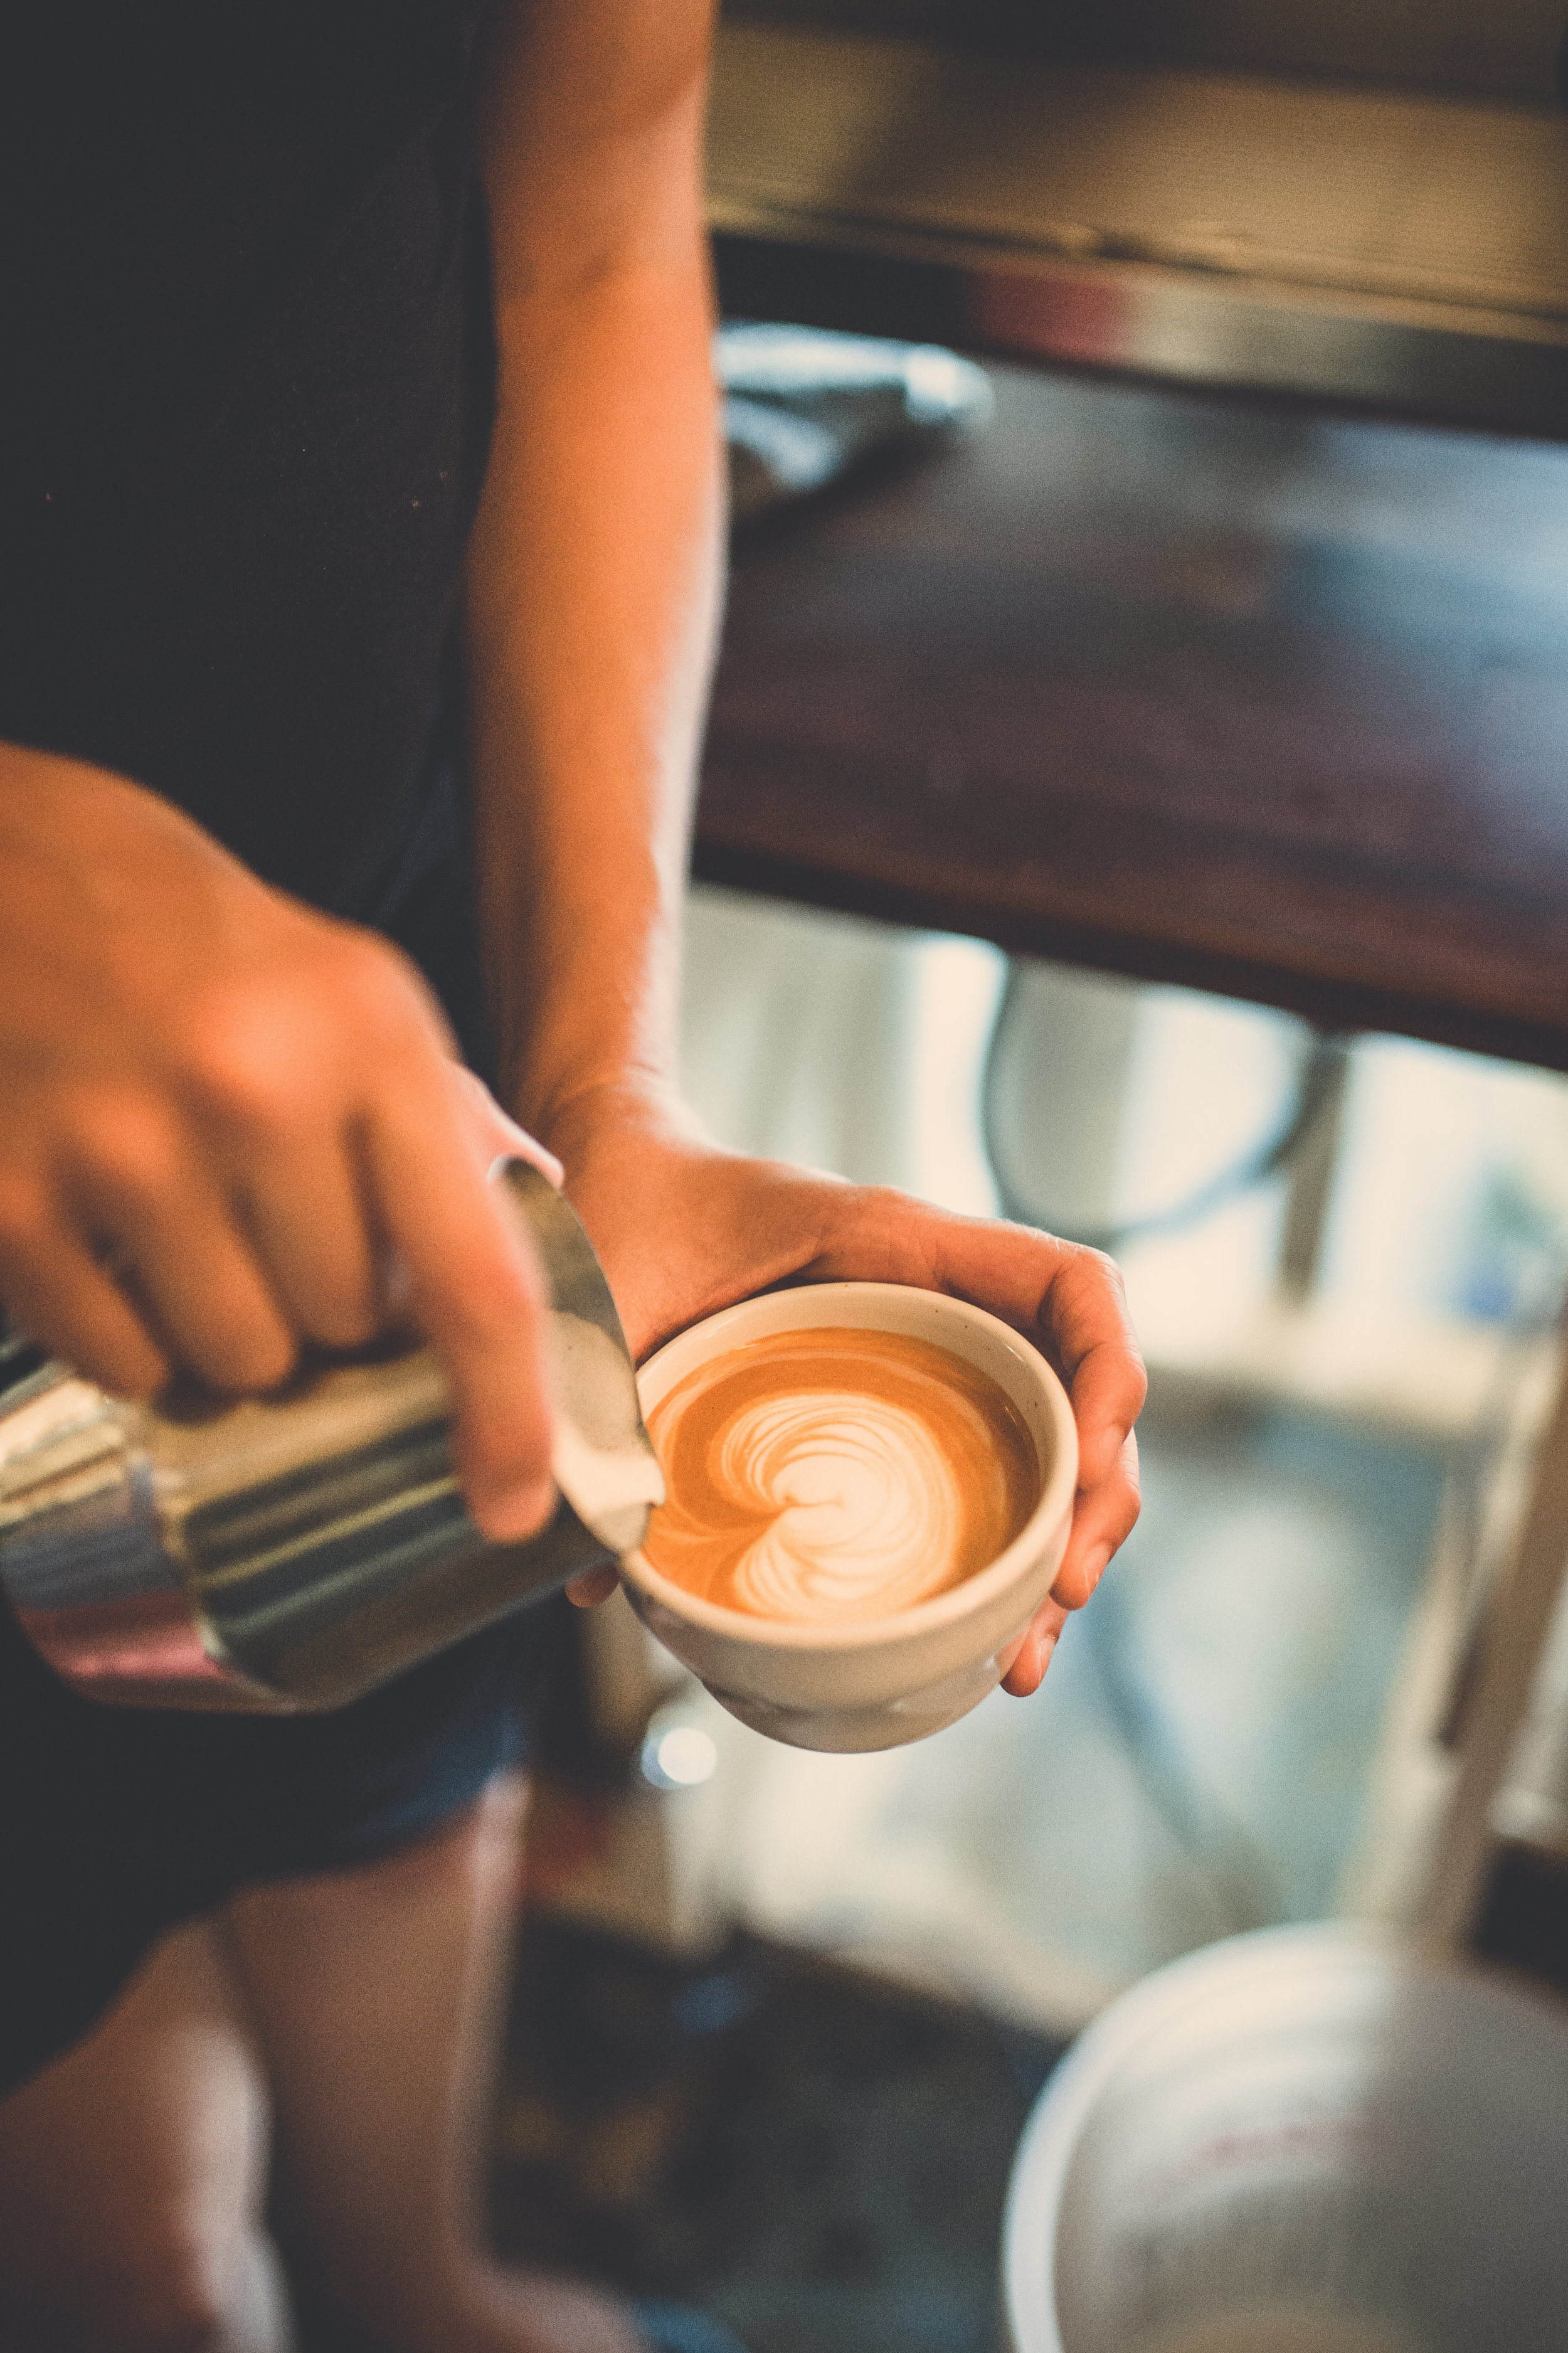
(1223, 1744)
(775, 2006)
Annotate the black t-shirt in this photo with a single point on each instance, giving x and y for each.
(246, 379)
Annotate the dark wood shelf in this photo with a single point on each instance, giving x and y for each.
(1221, 693)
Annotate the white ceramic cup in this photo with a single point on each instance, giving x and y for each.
(871, 1682)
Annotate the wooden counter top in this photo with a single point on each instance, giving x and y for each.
(1181, 686)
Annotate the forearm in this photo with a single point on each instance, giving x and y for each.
(592, 604)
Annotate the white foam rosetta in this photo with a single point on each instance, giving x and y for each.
(834, 1474)
(863, 1511)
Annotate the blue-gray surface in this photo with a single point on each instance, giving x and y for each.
(1242, 1651)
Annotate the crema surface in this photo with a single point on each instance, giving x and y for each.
(837, 1475)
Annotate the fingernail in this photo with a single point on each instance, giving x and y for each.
(520, 1512)
(1047, 1644)
(1097, 1564)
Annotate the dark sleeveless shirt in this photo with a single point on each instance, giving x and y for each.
(244, 395)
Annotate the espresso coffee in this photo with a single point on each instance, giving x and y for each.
(837, 1473)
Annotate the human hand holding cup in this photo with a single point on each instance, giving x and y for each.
(875, 1558)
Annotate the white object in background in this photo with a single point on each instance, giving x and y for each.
(1451, 1193)
(675, 1753)
(840, 1044)
(1310, 2140)
(1114, 1104)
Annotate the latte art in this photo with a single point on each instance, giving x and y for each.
(835, 1473)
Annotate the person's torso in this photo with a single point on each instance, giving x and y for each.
(245, 405)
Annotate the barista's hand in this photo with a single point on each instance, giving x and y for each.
(683, 1230)
(229, 1126)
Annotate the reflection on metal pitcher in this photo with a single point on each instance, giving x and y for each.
(294, 1550)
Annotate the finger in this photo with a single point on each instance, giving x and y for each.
(1026, 1668)
(306, 1215)
(1072, 1295)
(1103, 1518)
(595, 1585)
(193, 1275)
(474, 1292)
(1107, 1384)
(58, 1293)
(1072, 1298)
(496, 1132)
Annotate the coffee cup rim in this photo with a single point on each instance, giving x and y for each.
(959, 1601)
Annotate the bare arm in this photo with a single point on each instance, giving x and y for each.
(594, 573)
(592, 604)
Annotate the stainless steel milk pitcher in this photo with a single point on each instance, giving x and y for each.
(294, 1550)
